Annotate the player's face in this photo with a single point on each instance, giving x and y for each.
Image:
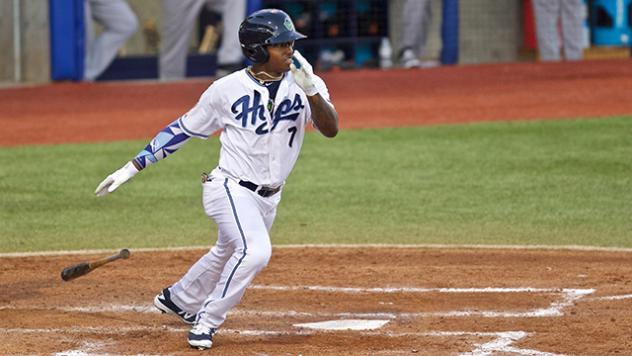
(280, 57)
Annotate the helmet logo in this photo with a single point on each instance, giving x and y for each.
(288, 24)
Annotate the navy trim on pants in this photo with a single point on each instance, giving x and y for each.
(243, 238)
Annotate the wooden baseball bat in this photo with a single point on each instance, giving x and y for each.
(83, 268)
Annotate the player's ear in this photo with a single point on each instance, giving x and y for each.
(250, 52)
(256, 53)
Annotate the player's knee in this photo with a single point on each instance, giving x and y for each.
(132, 26)
(127, 26)
(260, 257)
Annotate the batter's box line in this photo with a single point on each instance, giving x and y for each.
(150, 309)
(569, 297)
(501, 341)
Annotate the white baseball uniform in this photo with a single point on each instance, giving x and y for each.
(259, 146)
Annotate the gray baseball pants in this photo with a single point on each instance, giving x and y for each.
(547, 15)
(178, 19)
(119, 24)
(417, 15)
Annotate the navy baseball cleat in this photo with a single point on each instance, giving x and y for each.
(201, 337)
(163, 302)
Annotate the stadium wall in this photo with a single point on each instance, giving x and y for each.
(33, 49)
(490, 30)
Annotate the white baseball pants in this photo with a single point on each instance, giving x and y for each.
(217, 281)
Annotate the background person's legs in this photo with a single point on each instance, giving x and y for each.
(415, 25)
(572, 28)
(233, 13)
(178, 18)
(119, 24)
(546, 18)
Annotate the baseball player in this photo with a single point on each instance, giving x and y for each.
(263, 111)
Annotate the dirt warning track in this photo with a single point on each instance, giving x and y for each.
(89, 112)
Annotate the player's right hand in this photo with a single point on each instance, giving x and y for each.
(303, 74)
(115, 179)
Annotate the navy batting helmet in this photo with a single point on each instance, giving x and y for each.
(263, 28)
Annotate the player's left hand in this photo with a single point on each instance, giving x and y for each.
(115, 179)
(303, 74)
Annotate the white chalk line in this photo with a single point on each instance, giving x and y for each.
(346, 246)
(148, 309)
(355, 290)
(86, 348)
(109, 330)
(610, 297)
(503, 344)
(501, 341)
(569, 297)
(113, 308)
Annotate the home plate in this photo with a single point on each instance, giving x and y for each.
(345, 324)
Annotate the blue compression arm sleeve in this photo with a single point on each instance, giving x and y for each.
(169, 140)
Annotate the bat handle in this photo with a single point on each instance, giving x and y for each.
(124, 254)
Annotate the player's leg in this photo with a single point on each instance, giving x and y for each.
(268, 208)
(546, 17)
(572, 29)
(426, 19)
(178, 18)
(185, 297)
(119, 24)
(229, 54)
(414, 17)
(90, 37)
(195, 286)
(240, 218)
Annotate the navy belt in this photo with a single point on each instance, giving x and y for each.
(262, 191)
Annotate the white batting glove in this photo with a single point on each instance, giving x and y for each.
(303, 74)
(115, 179)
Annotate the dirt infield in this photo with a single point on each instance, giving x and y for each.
(425, 301)
(434, 302)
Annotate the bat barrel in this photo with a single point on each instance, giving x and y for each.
(82, 268)
(75, 271)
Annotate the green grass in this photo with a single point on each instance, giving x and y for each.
(549, 182)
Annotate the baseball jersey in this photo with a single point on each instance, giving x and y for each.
(261, 140)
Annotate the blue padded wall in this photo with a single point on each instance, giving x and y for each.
(67, 39)
(450, 32)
